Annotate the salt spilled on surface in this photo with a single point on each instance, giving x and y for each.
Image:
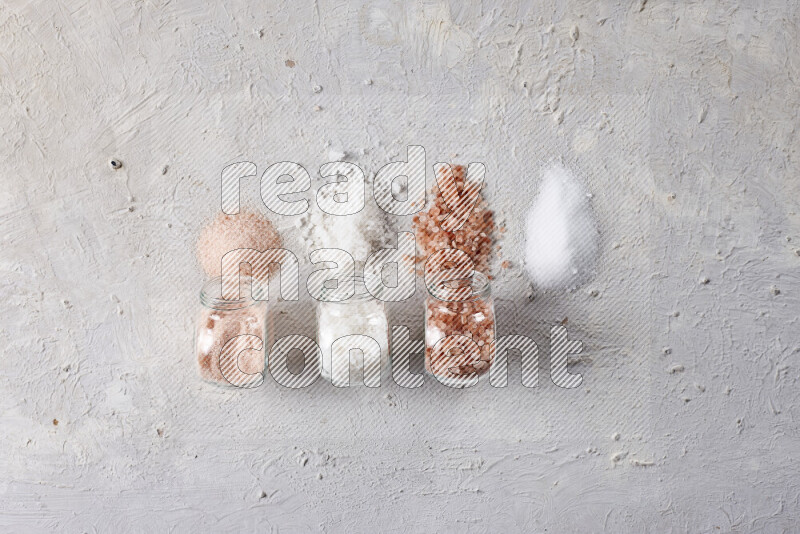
(561, 236)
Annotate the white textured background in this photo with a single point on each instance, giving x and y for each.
(645, 99)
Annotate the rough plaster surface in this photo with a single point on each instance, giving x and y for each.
(682, 118)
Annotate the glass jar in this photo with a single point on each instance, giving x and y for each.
(218, 322)
(459, 360)
(360, 315)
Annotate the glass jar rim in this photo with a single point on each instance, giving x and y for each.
(361, 294)
(478, 281)
(211, 295)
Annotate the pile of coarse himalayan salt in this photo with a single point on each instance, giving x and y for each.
(246, 229)
(474, 237)
(561, 236)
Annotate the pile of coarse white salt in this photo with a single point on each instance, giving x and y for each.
(561, 236)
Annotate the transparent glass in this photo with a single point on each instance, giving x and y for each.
(218, 321)
(458, 358)
(361, 314)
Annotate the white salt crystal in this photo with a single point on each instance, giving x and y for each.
(336, 155)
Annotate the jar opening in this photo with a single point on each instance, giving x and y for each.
(211, 295)
(339, 293)
(477, 281)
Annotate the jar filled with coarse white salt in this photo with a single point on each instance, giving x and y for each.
(353, 335)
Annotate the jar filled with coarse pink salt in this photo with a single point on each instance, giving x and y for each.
(459, 335)
(230, 337)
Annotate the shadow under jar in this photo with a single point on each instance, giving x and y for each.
(459, 360)
(221, 320)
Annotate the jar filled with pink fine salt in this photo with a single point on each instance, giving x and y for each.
(219, 321)
(459, 335)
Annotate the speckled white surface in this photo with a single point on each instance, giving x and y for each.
(682, 117)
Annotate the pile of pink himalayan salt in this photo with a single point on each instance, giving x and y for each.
(230, 232)
(475, 237)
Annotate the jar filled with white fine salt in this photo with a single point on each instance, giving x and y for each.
(353, 335)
